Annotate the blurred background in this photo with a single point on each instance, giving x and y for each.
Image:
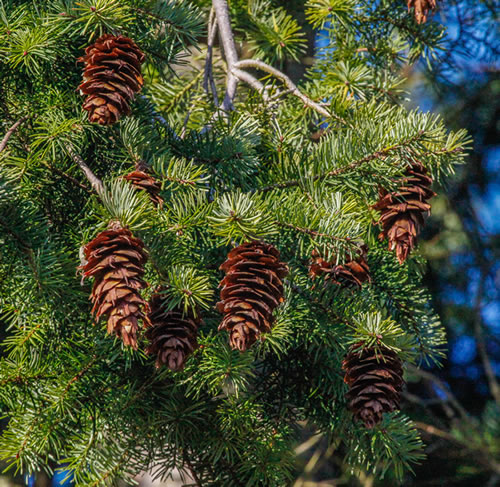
(456, 407)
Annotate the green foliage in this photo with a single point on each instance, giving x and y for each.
(71, 394)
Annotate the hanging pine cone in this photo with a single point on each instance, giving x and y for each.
(115, 259)
(111, 77)
(375, 381)
(354, 272)
(144, 181)
(251, 290)
(173, 334)
(402, 212)
(422, 8)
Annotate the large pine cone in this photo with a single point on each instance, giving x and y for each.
(403, 212)
(422, 8)
(251, 290)
(375, 381)
(111, 77)
(354, 272)
(115, 259)
(144, 181)
(173, 334)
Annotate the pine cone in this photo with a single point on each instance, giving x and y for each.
(402, 212)
(172, 336)
(142, 180)
(116, 261)
(251, 290)
(111, 77)
(354, 272)
(375, 382)
(422, 8)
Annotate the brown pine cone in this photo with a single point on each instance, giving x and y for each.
(375, 382)
(251, 290)
(142, 180)
(354, 272)
(111, 77)
(422, 8)
(115, 259)
(402, 212)
(173, 334)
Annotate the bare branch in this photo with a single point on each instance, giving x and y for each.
(9, 132)
(208, 78)
(481, 343)
(93, 179)
(226, 34)
(253, 63)
(252, 81)
(442, 387)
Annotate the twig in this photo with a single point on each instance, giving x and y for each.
(308, 231)
(208, 78)
(442, 386)
(481, 344)
(9, 132)
(253, 82)
(191, 469)
(26, 247)
(253, 63)
(93, 179)
(484, 456)
(226, 34)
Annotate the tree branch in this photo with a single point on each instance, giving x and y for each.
(93, 179)
(208, 78)
(9, 132)
(252, 81)
(253, 63)
(481, 344)
(353, 165)
(226, 34)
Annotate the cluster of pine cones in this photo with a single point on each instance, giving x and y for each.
(252, 287)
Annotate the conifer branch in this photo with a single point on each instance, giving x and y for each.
(25, 246)
(9, 132)
(349, 167)
(93, 179)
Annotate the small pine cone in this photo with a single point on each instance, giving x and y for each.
(142, 180)
(111, 77)
(173, 334)
(422, 8)
(251, 290)
(375, 381)
(115, 259)
(354, 272)
(402, 213)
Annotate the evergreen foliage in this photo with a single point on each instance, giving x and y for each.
(244, 169)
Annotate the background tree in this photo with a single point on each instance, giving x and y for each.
(241, 154)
